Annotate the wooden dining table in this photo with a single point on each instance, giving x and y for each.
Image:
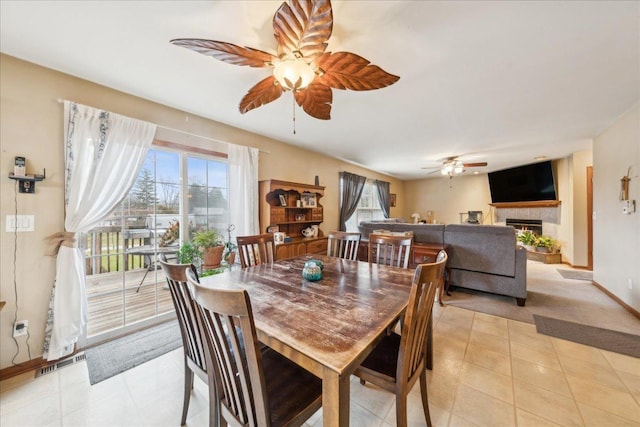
(329, 326)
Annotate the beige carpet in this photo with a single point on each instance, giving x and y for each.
(551, 295)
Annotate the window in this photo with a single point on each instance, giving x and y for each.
(368, 207)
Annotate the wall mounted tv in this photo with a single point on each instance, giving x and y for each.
(527, 183)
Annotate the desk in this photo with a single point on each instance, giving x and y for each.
(328, 327)
(148, 252)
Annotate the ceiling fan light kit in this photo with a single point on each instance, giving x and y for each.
(452, 168)
(302, 29)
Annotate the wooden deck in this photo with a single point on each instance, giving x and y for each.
(110, 308)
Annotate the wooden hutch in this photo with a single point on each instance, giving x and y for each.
(291, 207)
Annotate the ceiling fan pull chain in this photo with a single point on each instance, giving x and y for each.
(294, 114)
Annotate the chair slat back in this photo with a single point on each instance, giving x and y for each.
(343, 245)
(192, 337)
(233, 351)
(255, 250)
(390, 249)
(413, 344)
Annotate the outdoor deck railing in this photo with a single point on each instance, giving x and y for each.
(106, 249)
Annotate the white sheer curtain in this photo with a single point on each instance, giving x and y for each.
(243, 187)
(103, 154)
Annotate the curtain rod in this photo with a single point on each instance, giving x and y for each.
(61, 101)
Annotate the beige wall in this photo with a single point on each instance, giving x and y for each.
(616, 252)
(447, 198)
(31, 126)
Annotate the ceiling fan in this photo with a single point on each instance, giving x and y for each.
(301, 65)
(452, 166)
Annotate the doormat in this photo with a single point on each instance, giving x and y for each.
(114, 357)
(606, 339)
(576, 274)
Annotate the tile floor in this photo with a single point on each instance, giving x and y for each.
(489, 371)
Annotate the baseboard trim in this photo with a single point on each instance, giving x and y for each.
(626, 306)
(21, 368)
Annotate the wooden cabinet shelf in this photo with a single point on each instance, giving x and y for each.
(280, 207)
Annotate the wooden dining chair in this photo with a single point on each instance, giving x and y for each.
(256, 387)
(442, 255)
(398, 361)
(193, 341)
(343, 245)
(256, 249)
(390, 249)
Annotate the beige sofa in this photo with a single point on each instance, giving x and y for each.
(481, 257)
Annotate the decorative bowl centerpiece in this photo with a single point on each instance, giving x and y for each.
(312, 270)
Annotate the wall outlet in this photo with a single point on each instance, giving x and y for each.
(20, 328)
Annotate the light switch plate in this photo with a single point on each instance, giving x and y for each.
(20, 223)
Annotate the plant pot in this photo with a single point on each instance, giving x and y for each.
(212, 257)
(231, 258)
(543, 249)
(530, 248)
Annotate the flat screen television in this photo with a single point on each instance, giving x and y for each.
(527, 183)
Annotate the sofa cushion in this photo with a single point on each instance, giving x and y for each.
(423, 233)
(482, 248)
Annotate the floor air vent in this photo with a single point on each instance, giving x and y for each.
(61, 364)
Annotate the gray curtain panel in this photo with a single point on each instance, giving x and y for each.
(352, 186)
(383, 197)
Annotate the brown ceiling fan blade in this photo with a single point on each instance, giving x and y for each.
(304, 26)
(227, 52)
(474, 165)
(262, 93)
(346, 70)
(316, 100)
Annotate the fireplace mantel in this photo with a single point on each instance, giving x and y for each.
(537, 204)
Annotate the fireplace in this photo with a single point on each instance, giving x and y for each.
(533, 225)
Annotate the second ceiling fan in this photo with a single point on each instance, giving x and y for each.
(453, 166)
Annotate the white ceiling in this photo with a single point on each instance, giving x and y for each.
(498, 81)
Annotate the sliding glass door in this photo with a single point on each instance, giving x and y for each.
(174, 195)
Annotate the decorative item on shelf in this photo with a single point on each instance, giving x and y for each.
(311, 231)
(308, 200)
(283, 200)
(300, 217)
(416, 217)
(312, 271)
(299, 203)
(278, 237)
(317, 181)
(273, 229)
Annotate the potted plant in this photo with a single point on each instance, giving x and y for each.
(528, 239)
(188, 253)
(544, 244)
(212, 247)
